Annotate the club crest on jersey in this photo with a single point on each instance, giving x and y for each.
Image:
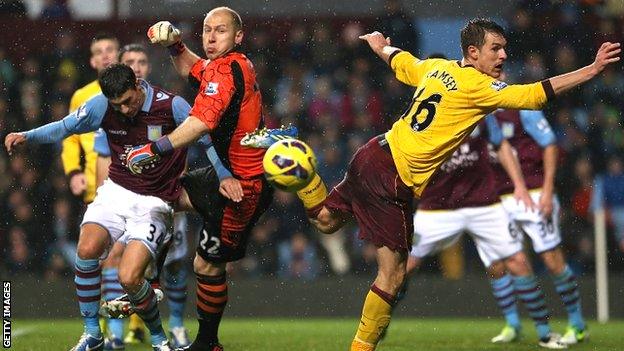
(508, 130)
(212, 88)
(154, 132)
(161, 96)
(498, 85)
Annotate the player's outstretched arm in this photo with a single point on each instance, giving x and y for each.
(167, 35)
(607, 53)
(380, 45)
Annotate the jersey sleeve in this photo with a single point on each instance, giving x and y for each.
(491, 94)
(215, 97)
(407, 68)
(86, 118)
(495, 134)
(100, 144)
(70, 154)
(536, 125)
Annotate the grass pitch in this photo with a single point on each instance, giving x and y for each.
(331, 334)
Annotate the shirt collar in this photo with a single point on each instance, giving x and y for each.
(149, 95)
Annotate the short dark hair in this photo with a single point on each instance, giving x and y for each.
(104, 36)
(131, 48)
(116, 79)
(474, 33)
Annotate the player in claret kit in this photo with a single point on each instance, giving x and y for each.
(462, 196)
(137, 203)
(390, 170)
(534, 141)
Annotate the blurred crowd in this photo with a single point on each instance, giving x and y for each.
(327, 82)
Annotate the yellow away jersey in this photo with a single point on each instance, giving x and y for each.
(73, 144)
(448, 102)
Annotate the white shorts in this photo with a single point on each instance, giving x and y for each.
(144, 218)
(179, 242)
(544, 232)
(488, 226)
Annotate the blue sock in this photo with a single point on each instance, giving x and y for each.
(146, 306)
(111, 289)
(532, 296)
(567, 287)
(175, 290)
(503, 290)
(88, 280)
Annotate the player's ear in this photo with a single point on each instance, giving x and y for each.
(238, 38)
(473, 52)
(92, 62)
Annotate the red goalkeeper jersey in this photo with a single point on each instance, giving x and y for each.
(230, 104)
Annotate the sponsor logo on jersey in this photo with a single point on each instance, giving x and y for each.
(212, 88)
(498, 85)
(154, 132)
(117, 132)
(508, 130)
(161, 96)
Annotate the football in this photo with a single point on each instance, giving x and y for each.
(289, 164)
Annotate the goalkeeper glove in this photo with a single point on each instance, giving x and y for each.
(164, 33)
(139, 157)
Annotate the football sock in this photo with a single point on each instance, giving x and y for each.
(532, 296)
(503, 289)
(375, 319)
(212, 296)
(313, 195)
(88, 280)
(175, 290)
(567, 287)
(146, 306)
(111, 289)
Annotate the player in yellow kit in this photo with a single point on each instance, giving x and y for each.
(386, 173)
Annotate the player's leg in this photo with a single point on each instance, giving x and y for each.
(376, 313)
(545, 235)
(111, 289)
(175, 274)
(134, 261)
(93, 241)
(223, 238)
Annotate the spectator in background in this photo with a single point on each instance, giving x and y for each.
(13, 8)
(400, 26)
(609, 191)
(55, 10)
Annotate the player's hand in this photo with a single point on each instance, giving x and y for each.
(546, 204)
(522, 196)
(164, 33)
(607, 53)
(231, 188)
(78, 183)
(376, 40)
(139, 157)
(12, 140)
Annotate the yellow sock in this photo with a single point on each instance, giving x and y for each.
(314, 193)
(135, 322)
(375, 319)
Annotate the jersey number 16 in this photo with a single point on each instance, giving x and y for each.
(428, 104)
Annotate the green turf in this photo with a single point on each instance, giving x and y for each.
(332, 334)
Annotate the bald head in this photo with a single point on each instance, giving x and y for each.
(237, 22)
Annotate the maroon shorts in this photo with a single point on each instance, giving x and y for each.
(374, 194)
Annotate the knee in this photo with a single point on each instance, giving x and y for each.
(93, 241)
(88, 250)
(131, 279)
(203, 267)
(518, 264)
